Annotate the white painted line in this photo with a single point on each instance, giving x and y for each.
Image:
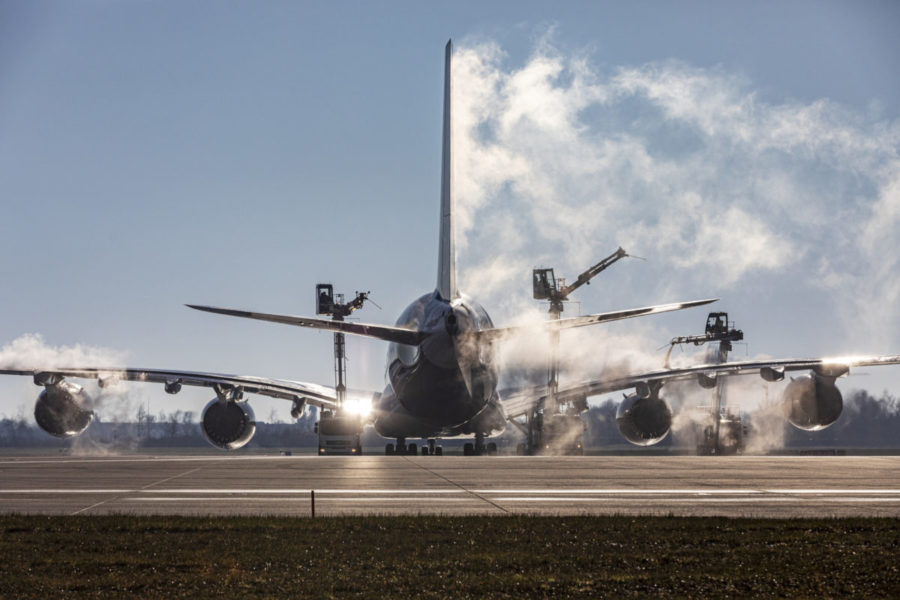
(298, 501)
(156, 459)
(624, 491)
(833, 491)
(67, 491)
(758, 493)
(695, 501)
(289, 491)
(642, 501)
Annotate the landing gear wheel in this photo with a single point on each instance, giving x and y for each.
(438, 450)
(480, 449)
(424, 450)
(389, 450)
(412, 450)
(492, 449)
(468, 449)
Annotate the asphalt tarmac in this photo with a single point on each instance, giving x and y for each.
(366, 485)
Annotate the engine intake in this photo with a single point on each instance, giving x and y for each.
(644, 421)
(60, 410)
(812, 402)
(228, 425)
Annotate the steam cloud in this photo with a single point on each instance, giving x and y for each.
(30, 350)
(559, 161)
(118, 402)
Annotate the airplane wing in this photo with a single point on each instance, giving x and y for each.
(519, 401)
(388, 333)
(499, 332)
(311, 393)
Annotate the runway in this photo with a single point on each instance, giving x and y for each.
(449, 485)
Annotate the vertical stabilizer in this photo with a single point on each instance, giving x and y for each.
(446, 283)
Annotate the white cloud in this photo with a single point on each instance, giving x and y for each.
(558, 162)
(30, 351)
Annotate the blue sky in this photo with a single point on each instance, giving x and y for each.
(157, 153)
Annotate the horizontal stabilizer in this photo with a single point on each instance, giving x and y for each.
(381, 332)
(594, 319)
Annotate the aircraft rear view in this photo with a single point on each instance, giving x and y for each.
(441, 371)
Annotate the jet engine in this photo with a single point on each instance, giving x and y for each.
(812, 402)
(644, 420)
(60, 410)
(228, 425)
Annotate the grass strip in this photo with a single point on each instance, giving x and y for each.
(440, 557)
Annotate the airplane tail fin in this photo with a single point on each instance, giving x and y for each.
(446, 281)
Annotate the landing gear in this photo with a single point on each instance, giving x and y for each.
(479, 448)
(402, 448)
(431, 449)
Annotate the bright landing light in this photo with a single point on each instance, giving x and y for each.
(358, 406)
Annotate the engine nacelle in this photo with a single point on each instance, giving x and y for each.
(228, 425)
(60, 410)
(812, 402)
(297, 407)
(644, 421)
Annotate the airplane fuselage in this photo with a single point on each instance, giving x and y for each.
(447, 385)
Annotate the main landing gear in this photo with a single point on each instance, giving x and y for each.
(479, 448)
(430, 449)
(403, 449)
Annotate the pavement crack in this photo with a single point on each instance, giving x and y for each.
(460, 486)
(120, 496)
(149, 485)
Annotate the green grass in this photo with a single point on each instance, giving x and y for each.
(440, 557)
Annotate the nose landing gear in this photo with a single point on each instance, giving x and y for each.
(430, 449)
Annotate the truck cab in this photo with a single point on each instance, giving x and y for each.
(562, 435)
(339, 433)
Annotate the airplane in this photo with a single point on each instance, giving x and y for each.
(442, 375)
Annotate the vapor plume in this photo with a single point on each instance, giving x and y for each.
(559, 161)
(117, 402)
(30, 350)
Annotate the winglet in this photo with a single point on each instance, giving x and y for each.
(446, 283)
